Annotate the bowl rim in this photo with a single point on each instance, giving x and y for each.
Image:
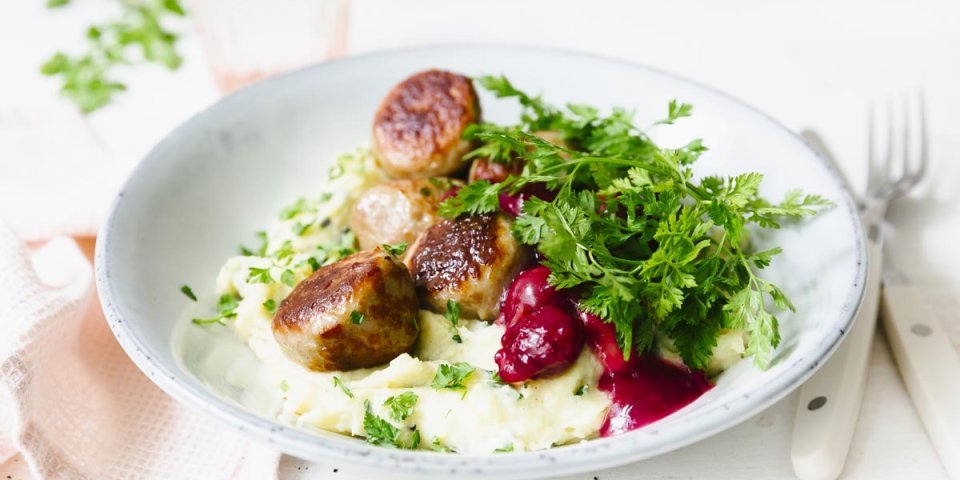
(576, 458)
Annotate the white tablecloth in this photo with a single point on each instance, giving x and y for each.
(811, 64)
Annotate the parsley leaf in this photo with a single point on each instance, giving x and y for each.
(452, 376)
(401, 406)
(356, 317)
(188, 292)
(338, 383)
(395, 250)
(378, 430)
(270, 305)
(453, 314)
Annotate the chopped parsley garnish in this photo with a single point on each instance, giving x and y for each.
(338, 383)
(299, 229)
(506, 448)
(655, 251)
(453, 314)
(284, 386)
(396, 250)
(259, 275)
(270, 305)
(378, 430)
(414, 440)
(302, 205)
(314, 263)
(188, 292)
(439, 446)
(287, 278)
(452, 376)
(580, 390)
(401, 406)
(226, 309)
(356, 317)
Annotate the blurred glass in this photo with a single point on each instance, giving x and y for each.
(245, 40)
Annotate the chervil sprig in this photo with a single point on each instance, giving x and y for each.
(656, 252)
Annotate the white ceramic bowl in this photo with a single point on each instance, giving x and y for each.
(224, 174)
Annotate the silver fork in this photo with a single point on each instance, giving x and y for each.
(830, 400)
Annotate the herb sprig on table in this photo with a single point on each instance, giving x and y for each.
(655, 250)
(88, 79)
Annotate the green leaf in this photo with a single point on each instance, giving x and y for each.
(396, 250)
(452, 376)
(288, 278)
(356, 317)
(379, 431)
(338, 383)
(473, 199)
(270, 305)
(188, 292)
(401, 406)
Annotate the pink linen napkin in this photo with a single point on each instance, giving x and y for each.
(72, 403)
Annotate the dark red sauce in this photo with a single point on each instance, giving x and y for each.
(545, 332)
(649, 389)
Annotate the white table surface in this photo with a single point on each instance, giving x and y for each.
(816, 64)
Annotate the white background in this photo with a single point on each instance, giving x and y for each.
(811, 64)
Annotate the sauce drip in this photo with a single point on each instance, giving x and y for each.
(648, 389)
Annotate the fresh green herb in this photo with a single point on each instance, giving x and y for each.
(496, 381)
(209, 321)
(285, 251)
(338, 383)
(401, 406)
(453, 314)
(226, 309)
(287, 278)
(580, 390)
(378, 430)
(188, 292)
(284, 386)
(270, 306)
(299, 229)
(357, 318)
(396, 250)
(506, 448)
(261, 249)
(438, 446)
(314, 263)
(259, 275)
(452, 376)
(414, 440)
(301, 205)
(654, 251)
(227, 305)
(88, 79)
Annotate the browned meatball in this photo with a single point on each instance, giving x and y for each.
(397, 211)
(417, 129)
(355, 313)
(469, 260)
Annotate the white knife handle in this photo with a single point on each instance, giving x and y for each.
(930, 368)
(830, 400)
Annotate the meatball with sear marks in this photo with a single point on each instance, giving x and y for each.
(357, 312)
(469, 260)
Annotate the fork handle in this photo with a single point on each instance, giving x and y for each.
(830, 400)
(930, 368)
